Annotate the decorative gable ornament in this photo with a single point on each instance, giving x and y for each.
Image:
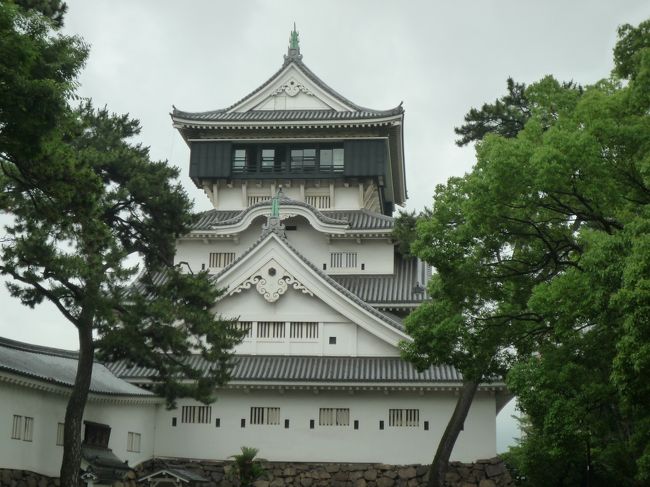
(292, 88)
(271, 281)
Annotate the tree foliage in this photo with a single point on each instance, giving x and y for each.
(83, 200)
(543, 262)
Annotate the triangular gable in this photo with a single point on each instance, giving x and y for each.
(292, 88)
(272, 258)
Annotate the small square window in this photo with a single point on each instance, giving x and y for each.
(311, 424)
(356, 424)
(332, 340)
(286, 423)
(217, 423)
(381, 425)
(426, 426)
(243, 423)
(173, 421)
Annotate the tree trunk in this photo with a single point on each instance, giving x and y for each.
(74, 412)
(441, 459)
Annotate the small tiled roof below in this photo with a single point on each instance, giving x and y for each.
(406, 286)
(284, 368)
(104, 464)
(59, 367)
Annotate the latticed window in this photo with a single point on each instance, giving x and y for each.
(321, 202)
(196, 414)
(343, 260)
(246, 326)
(133, 442)
(239, 160)
(29, 429)
(334, 417)
(270, 329)
(254, 199)
(303, 330)
(221, 259)
(59, 433)
(403, 417)
(264, 415)
(17, 427)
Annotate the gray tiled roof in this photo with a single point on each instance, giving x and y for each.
(310, 369)
(59, 367)
(400, 287)
(358, 112)
(355, 219)
(282, 115)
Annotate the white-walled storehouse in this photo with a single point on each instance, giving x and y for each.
(303, 183)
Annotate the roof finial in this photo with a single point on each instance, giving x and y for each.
(294, 47)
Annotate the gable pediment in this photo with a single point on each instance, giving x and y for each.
(271, 267)
(291, 89)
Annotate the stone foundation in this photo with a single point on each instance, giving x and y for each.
(25, 478)
(482, 473)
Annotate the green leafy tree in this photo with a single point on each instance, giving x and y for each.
(247, 468)
(83, 200)
(542, 261)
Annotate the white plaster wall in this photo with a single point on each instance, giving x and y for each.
(377, 255)
(347, 198)
(42, 455)
(329, 443)
(370, 346)
(249, 305)
(229, 199)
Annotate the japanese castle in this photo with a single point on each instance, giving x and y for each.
(303, 183)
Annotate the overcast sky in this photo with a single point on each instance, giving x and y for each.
(439, 58)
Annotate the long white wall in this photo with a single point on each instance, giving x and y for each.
(42, 455)
(394, 445)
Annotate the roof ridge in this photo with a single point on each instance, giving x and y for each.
(41, 349)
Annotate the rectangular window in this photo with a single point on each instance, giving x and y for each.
(325, 160)
(239, 160)
(296, 159)
(246, 326)
(29, 429)
(221, 259)
(270, 329)
(343, 260)
(17, 427)
(59, 433)
(403, 417)
(303, 330)
(337, 160)
(196, 414)
(133, 442)
(334, 417)
(268, 159)
(264, 415)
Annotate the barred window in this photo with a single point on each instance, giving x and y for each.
(17, 427)
(253, 200)
(270, 329)
(221, 259)
(59, 433)
(304, 330)
(196, 414)
(343, 260)
(321, 202)
(403, 417)
(246, 326)
(264, 415)
(133, 442)
(29, 429)
(334, 417)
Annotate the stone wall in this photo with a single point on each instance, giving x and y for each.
(24, 478)
(482, 473)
